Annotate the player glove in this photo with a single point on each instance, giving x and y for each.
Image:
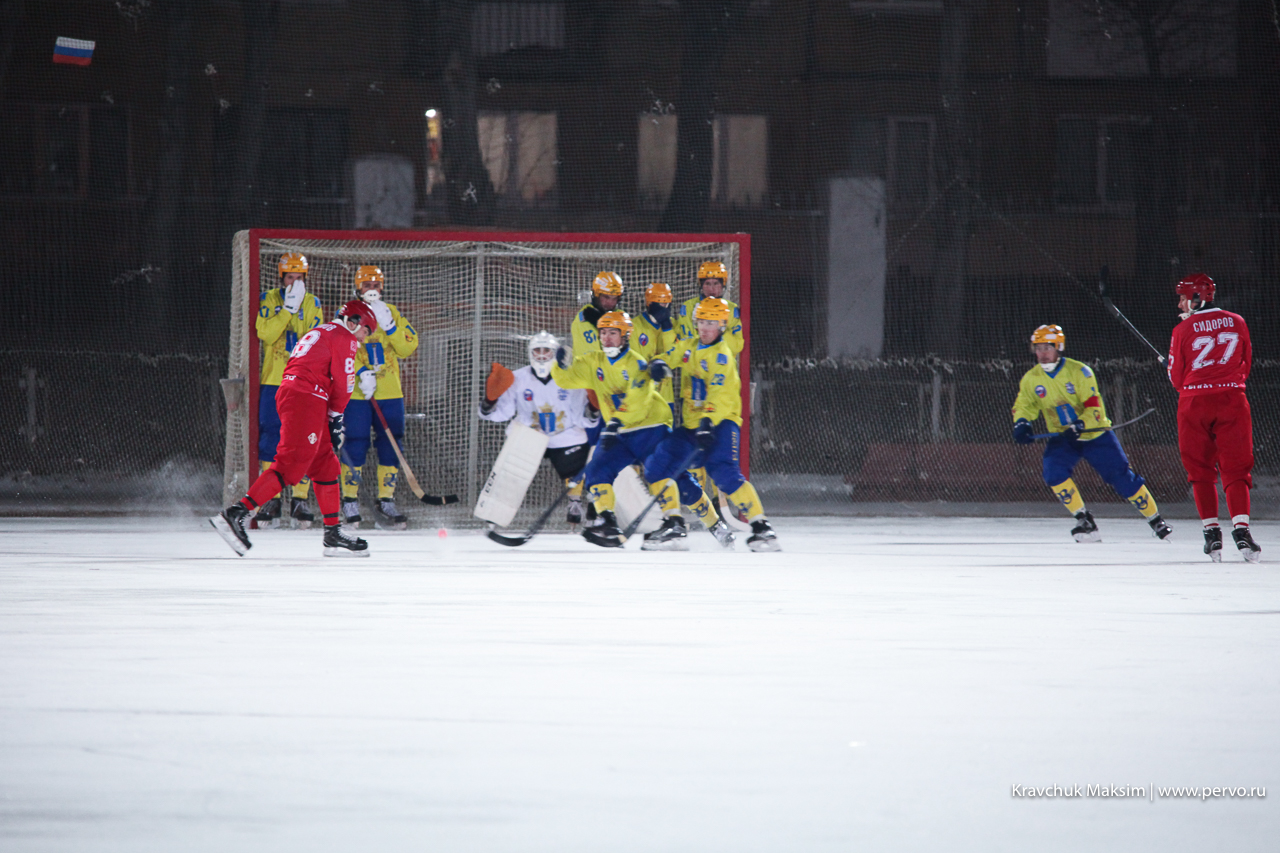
(661, 315)
(293, 296)
(658, 370)
(368, 382)
(335, 431)
(564, 358)
(1074, 429)
(609, 436)
(382, 311)
(1022, 431)
(704, 435)
(500, 379)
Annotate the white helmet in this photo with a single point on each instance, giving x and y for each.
(544, 340)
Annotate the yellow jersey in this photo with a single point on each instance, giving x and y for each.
(621, 384)
(279, 330)
(709, 383)
(583, 336)
(686, 327)
(381, 353)
(1063, 394)
(651, 341)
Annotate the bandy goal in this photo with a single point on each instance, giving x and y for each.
(472, 299)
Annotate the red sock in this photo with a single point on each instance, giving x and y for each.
(1237, 498)
(1206, 495)
(266, 487)
(328, 497)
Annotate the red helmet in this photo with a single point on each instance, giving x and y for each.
(1197, 285)
(359, 311)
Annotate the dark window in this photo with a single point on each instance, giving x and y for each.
(304, 155)
(71, 150)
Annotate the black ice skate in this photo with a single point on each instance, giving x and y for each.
(230, 526)
(350, 511)
(574, 516)
(1086, 529)
(1244, 541)
(1213, 543)
(301, 514)
(338, 544)
(762, 537)
(268, 515)
(386, 516)
(605, 534)
(723, 535)
(1159, 526)
(671, 536)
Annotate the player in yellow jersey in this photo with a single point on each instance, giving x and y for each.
(285, 313)
(713, 283)
(606, 293)
(654, 332)
(1065, 391)
(638, 419)
(711, 403)
(377, 378)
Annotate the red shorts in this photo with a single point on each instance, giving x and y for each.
(304, 449)
(1215, 434)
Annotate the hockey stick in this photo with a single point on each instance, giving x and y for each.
(1041, 435)
(635, 522)
(1115, 312)
(517, 541)
(432, 500)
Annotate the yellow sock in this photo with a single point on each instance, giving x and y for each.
(350, 481)
(704, 511)
(300, 490)
(747, 502)
(1067, 492)
(668, 496)
(1142, 501)
(263, 464)
(602, 496)
(575, 488)
(386, 482)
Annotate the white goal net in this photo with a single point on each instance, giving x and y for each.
(473, 299)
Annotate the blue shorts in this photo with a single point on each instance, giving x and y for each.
(268, 423)
(359, 419)
(1104, 453)
(631, 447)
(721, 461)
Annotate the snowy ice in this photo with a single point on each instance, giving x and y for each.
(880, 685)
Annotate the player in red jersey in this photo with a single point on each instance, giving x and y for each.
(1209, 360)
(317, 383)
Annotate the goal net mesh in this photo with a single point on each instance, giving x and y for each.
(472, 303)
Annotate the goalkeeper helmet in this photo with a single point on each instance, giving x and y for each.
(607, 284)
(292, 262)
(369, 274)
(542, 352)
(361, 313)
(1198, 285)
(1049, 335)
(713, 269)
(713, 308)
(658, 292)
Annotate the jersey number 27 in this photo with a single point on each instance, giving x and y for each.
(1204, 347)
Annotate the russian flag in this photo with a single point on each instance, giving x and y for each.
(72, 51)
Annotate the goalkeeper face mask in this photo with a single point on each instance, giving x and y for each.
(540, 360)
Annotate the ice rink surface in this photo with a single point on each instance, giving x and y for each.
(880, 685)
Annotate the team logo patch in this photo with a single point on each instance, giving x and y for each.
(644, 339)
(600, 373)
(564, 395)
(722, 359)
(1040, 392)
(685, 359)
(625, 377)
(703, 362)
(1087, 373)
(312, 438)
(528, 394)
(1071, 388)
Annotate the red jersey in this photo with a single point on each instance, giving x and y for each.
(1210, 352)
(323, 364)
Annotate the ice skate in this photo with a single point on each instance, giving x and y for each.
(230, 526)
(605, 534)
(1213, 543)
(386, 516)
(1086, 529)
(301, 514)
(671, 536)
(762, 537)
(1159, 527)
(574, 515)
(723, 535)
(338, 544)
(1244, 541)
(268, 515)
(350, 511)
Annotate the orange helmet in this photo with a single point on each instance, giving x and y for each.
(368, 272)
(713, 308)
(713, 269)
(292, 262)
(658, 292)
(1049, 335)
(607, 284)
(619, 320)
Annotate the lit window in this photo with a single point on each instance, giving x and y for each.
(740, 157)
(519, 152)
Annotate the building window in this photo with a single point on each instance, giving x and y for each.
(1091, 39)
(519, 151)
(73, 150)
(500, 27)
(1095, 160)
(740, 158)
(304, 155)
(909, 162)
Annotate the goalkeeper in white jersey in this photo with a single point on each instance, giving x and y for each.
(531, 396)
